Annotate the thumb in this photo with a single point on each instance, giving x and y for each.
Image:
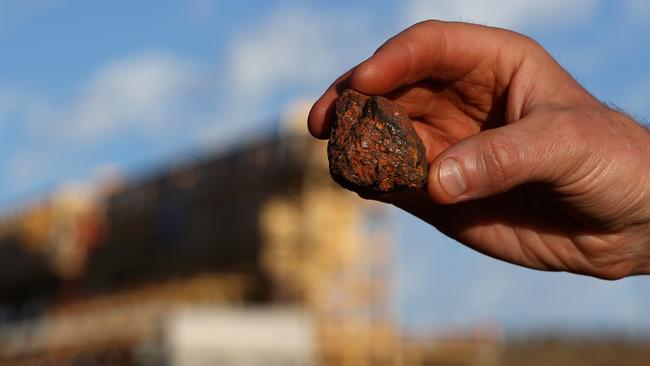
(496, 160)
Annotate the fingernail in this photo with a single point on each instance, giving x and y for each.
(451, 178)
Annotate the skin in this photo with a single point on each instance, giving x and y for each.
(547, 177)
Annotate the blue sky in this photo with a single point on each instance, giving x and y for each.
(88, 85)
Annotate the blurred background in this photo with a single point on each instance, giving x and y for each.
(162, 204)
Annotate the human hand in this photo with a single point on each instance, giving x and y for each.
(525, 165)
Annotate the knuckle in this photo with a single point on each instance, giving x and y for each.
(528, 41)
(502, 159)
(574, 137)
(425, 25)
(519, 39)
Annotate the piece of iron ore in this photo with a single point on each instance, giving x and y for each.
(373, 147)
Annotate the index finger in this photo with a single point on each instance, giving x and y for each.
(443, 51)
(322, 110)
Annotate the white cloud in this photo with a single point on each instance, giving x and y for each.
(299, 49)
(136, 92)
(290, 47)
(150, 94)
(154, 94)
(513, 14)
(293, 53)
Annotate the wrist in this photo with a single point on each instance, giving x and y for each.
(641, 230)
(642, 261)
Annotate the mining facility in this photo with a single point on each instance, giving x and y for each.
(250, 256)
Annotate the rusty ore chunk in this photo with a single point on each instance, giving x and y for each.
(373, 146)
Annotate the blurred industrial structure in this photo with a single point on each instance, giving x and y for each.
(247, 257)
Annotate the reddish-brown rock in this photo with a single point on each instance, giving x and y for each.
(373, 146)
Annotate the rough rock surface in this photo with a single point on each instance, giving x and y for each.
(373, 146)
